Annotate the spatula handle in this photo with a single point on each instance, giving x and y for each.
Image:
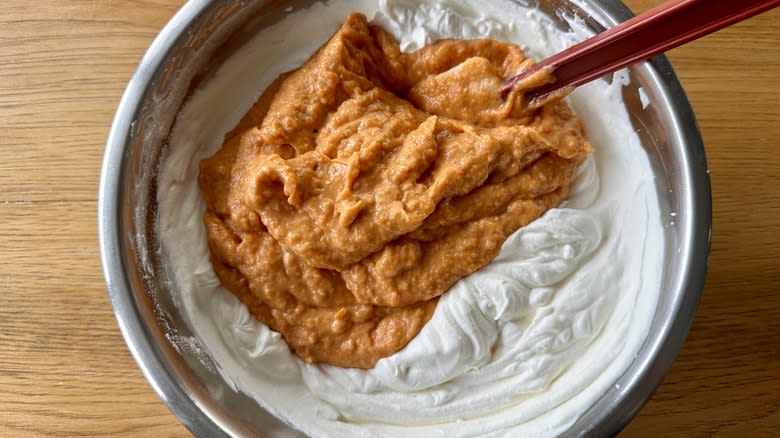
(662, 28)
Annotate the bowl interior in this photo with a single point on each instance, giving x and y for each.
(191, 47)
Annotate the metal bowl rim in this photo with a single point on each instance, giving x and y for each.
(169, 386)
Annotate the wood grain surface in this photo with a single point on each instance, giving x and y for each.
(64, 367)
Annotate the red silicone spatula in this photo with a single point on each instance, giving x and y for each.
(662, 28)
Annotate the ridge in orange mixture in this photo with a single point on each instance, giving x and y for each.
(363, 185)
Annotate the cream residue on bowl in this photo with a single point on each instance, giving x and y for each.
(521, 347)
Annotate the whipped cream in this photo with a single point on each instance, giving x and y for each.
(523, 346)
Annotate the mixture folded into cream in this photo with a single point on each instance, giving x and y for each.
(360, 187)
(524, 345)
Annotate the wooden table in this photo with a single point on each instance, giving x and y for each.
(64, 367)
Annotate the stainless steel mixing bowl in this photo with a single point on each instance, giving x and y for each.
(198, 38)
